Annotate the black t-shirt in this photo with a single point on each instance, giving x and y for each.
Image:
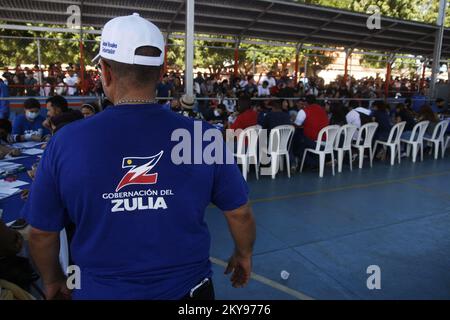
(405, 115)
(275, 119)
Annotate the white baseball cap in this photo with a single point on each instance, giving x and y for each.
(121, 37)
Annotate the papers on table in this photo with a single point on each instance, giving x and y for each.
(5, 165)
(14, 184)
(33, 152)
(7, 192)
(27, 145)
(8, 157)
(9, 167)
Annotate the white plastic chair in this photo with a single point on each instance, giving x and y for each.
(280, 140)
(247, 150)
(323, 147)
(447, 143)
(364, 141)
(393, 142)
(437, 139)
(416, 140)
(347, 132)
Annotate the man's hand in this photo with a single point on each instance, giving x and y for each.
(241, 267)
(243, 229)
(15, 152)
(24, 194)
(36, 138)
(57, 291)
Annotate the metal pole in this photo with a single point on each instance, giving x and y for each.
(422, 80)
(236, 59)
(437, 48)
(39, 62)
(81, 51)
(388, 78)
(189, 43)
(346, 68)
(82, 66)
(254, 62)
(297, 61)
(306, 66)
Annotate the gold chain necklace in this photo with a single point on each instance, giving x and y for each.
(135, 101)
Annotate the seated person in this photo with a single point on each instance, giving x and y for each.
(440, 106)
(247, 116)
(276, 117)
(426, 114)
(381, 115)
(403, 114)
(10, 241)
(5, 139)
(29, 126)
(61, 120)
(89, 109)
(55, 106)
(218, 115)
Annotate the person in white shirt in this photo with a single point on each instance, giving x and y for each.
(71, 81)
(264, 90)
(354, 116)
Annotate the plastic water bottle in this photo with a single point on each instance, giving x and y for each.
(284, 275)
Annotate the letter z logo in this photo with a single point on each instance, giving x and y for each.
(139, 172)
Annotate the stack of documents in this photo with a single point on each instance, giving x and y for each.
(7, 192)
(27, 145)
(32, 152)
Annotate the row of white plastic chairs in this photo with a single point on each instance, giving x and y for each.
(340, 140)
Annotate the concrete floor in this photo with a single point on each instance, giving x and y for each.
(326, 232)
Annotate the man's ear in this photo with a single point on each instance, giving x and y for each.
(106, 74)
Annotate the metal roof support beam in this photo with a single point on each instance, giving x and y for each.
(437, 48)
(321, 27)
(189, 64)
(180, 7)
(260, 15)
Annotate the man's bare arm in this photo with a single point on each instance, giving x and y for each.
(44, 249)
(243, 229)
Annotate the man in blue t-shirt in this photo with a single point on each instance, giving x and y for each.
(4, 104)
(140, 230)
(29, 126)
(164, 89)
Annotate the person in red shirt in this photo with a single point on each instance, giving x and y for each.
(247, 116)
(312, 118)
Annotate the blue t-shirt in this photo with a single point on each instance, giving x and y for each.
(23, 126)
(163, 89)
(4, 104)
(140, 229)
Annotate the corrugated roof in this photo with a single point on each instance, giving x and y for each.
(281, 20)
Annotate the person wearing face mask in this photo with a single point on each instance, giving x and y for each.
(29, 127)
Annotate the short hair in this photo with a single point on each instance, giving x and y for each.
(59, 102)
(310, 99)
(276, 104)
(244, 103)
(31, 103)
(138, 75)
(379, 104)
(93, 106)
(439, 100)
(61, 120)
